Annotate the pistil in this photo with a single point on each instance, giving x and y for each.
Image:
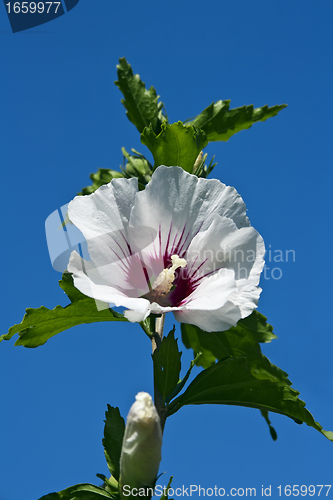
(164, 281)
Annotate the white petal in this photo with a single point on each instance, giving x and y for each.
(213, 292)
(218, 320)
(88, 280)
(240, 305)
(136, 317)
(178, 205)
(224, 245)
(127, 274)
(245, 298)
(104, 211)
(258, 266)
(103, 218)
(244, 252)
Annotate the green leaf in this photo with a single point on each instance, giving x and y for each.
(102, 176)
(253, 383)
(67, 284)
(142, 106)
(167, 365)
(241, 340)
(113, 438)
(176, 145)
(80, 492)
(194, 338)
(220, 123)
(39, 325)
(242, 376)
(257, 325)
(182, 382)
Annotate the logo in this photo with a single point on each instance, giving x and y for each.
(25, 15)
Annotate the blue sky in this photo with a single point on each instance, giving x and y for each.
(61, 119)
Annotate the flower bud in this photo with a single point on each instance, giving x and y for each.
(141, 449)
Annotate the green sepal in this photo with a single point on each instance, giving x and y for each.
(220, 123)
(146, 326)
(272, 431)
(80, 492)
(165, 496)
(176, 145)
(137, 166)
(113, 439)
(202, 170)
(142, 106)
(167, 365)
(254, 383)
(110, 484)
(39, 325)
(241, 340)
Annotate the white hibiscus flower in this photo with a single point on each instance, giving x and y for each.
(183, 245)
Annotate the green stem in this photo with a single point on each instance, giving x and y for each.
(157, 325)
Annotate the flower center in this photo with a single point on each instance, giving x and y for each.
(164, 281)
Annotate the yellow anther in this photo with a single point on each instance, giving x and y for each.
(165, 279)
